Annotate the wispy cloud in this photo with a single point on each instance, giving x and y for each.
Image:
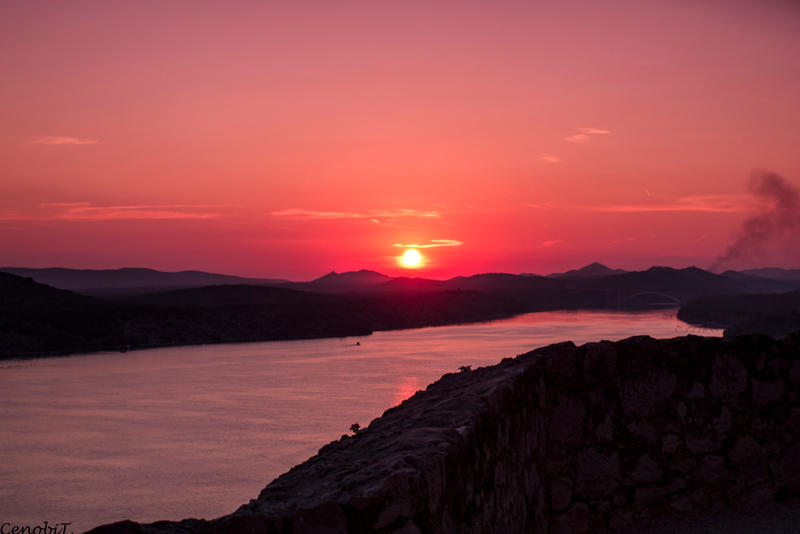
(577, 138)
(594, 131)
(433, 244)
(702, 203)
(84, 211)
(376, 216)
(550, 243)
(585, 135)
(696, 203)
(549, 158)
(296, 213)
(61, 140)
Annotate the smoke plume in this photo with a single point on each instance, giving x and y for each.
(779, 216)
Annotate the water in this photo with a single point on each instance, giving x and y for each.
(196, 431)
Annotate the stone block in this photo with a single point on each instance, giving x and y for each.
(598, 475)
(576, 520)
(728, 376)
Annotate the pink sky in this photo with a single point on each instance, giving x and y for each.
(289, 139)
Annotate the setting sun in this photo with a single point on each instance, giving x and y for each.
(411, 259)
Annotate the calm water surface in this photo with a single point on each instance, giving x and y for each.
(196, 431)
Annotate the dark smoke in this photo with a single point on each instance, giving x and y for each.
(779, 216)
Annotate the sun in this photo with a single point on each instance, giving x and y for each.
(411, 259)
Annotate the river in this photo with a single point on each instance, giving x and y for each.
(196, 431)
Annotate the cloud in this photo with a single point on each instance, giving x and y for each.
(550, 243)
(60, 140)
(594, 131)
(84, 211)
(577, 138)
(434, 243)
(700, 203)
(376, 216)
(549, 158)
(295, 213)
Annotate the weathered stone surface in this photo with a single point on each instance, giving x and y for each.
(605, 430)
(644, 430)
(574, 521)
(744, 449)
(598, 475)
(766, 392)
(653, 494)
(642, 395)
(697, 391)
(712, 470)
(567, 420)
(670, 443)
(488, 451)
(700, 444)
(722, 424)
(646, 471)
(728, 378)
(794, 372)
(560, 494)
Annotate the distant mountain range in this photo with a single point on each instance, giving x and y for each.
(40, 319)
(131, 280)
(593, 270)
(595, 276)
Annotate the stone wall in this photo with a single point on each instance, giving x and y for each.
(563, 439)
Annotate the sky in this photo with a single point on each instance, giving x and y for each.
(289, 139)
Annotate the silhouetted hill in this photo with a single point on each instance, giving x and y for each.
(127, 281)
(593, 270)
(773, 314)
(350, 281)
(404, 283)
(40, 320)
(680, 285)
(775, 273)
(18, 294)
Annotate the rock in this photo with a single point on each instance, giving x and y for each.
(573, 521)
(766, 392)
(646, 471)
(697, 391)
(712, 470)
(722, 424)
(744, 449)
(794, 372)
(670, 443)
(598, 475)
(642, 395)
(728, 376)
(681, 409)
(605, 430)
(653, 494)
(560, 494)
(566, 423)
(700, 444)
(644, 430)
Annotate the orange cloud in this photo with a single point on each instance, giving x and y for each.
(577, 138)
(433, 244)
(375, 216)
(61, 140)
(549, 158)
(83, 211)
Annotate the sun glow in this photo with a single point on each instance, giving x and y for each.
(411, 259)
